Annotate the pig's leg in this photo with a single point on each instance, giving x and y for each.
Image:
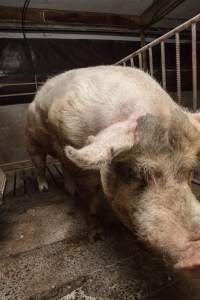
(94, 220)
(69, 183)
(39, 161)
(38, 157)
(109, 180)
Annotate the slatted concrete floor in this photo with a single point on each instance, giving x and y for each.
(22, 181)
(45, 252)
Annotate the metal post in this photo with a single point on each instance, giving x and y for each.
(162, 38)
(144, 56)
(2, 184)
(151, 61)
(194, 66)
(140, 60)
(132, 62)
(36, 83)
(163, 66)
(178, 67)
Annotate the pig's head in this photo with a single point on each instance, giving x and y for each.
(145, 168)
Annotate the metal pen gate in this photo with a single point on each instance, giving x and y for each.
(141, 54)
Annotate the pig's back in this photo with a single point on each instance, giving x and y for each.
(83, 101)
(104, 86)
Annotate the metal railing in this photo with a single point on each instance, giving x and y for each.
(10, 91)
(139, 54)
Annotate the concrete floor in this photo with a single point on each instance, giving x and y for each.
(45, 252)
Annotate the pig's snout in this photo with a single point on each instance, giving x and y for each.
(189, 261)
(169, 221)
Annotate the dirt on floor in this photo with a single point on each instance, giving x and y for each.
(45, 252)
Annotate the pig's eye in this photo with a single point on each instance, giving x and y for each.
(125, 172)
(130, 174)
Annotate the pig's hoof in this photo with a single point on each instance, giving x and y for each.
(43, 186)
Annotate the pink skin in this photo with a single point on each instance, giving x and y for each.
(88, 118)
(164, 212)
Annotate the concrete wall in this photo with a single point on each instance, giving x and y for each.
(12, 138)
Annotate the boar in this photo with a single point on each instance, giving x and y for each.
(115, 128)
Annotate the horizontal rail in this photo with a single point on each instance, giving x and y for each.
(162, 38)
(34, 92)
(2, 85)
(17, 94)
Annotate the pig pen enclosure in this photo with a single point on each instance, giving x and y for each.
(44, 248)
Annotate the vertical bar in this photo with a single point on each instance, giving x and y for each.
(178, 67)
(163, 65)
(144, 56)
(132, 62)
(2, 184)
(151, 61)
(140, 60)
(36, 83)
(194, 66)
(124, 64)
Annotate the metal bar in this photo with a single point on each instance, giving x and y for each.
(194, 66)
(162, 38)
(17, 94)
(124, 64)
(144, 55)
(196, 181)
(58, 170)
(163, 65)
(19, 84)
(2, 184)
(36, 83)
(178, 67)
(151, 61)
(132, 62)
(140, 60)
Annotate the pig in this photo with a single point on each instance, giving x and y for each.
(114, 129)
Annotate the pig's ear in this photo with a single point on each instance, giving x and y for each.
(110, 143)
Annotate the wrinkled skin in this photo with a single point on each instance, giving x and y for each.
(137, 144)
(148, 189)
